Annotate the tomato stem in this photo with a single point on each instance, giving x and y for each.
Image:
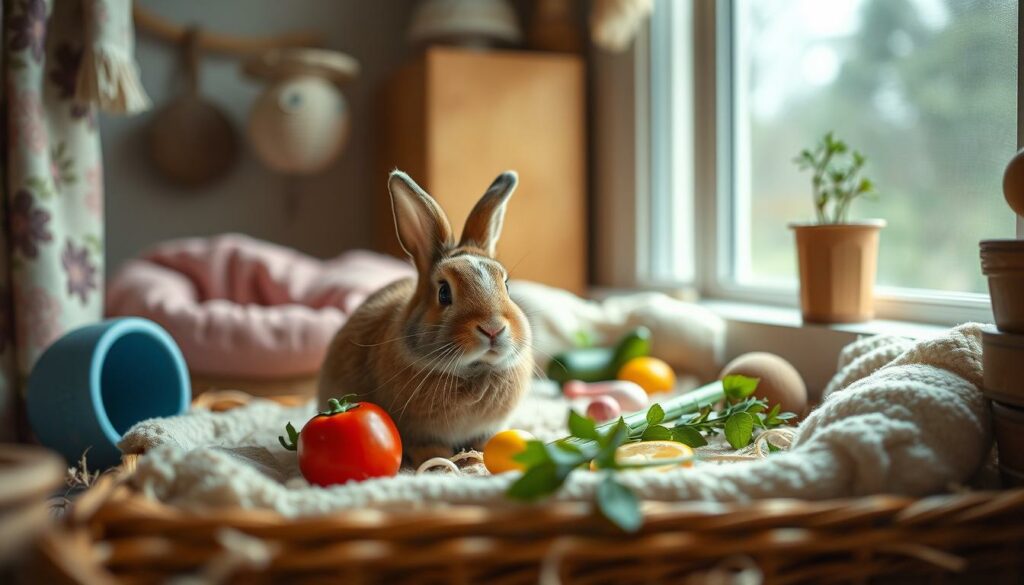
(334, 406)
(293, 438)
(339, 405)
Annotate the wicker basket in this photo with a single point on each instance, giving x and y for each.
(28, 475)
(113, 534)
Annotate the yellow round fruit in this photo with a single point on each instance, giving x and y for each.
(499, 451)
(651, 374)
(654, 451)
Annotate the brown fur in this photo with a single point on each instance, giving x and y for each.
(401, 349)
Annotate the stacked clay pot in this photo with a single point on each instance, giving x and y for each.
(1002, 262)
(1003, 365)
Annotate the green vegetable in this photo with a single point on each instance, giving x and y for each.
(594, 364)
(548, 465)
(691, 429)
(671, 409)
(590, 364)
(584, 339)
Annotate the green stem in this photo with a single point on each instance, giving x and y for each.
(674, 408)
(338, 406)
(292, 444)
(820, 189)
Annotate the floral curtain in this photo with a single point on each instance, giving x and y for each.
(62, 60)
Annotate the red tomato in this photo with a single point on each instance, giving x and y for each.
(348, 441)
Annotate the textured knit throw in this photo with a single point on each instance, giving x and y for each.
(899, 417)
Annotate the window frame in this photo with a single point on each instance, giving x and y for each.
(706, 96)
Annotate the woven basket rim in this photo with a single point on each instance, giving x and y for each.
(932, 508)
(937, 532)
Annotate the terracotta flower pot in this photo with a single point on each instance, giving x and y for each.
(1008, 427)
(838, 263)
(1003, 366)
(1002, 261)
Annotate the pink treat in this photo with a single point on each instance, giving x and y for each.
(603, 409)
(628, 395)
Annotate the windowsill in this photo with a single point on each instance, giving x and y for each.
(811, 347)
(758, 314)
(789, 317)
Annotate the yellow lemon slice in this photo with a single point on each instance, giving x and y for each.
(652, 452)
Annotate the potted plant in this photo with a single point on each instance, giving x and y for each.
(838, 258)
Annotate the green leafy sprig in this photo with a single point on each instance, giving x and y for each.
(548, 465)
(834, 179)
(737, 420)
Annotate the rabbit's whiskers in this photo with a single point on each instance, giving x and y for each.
(418, 364)
(417, 334)
(425, 375)
(540, 373)
(442, 346)
(450, 384)
(534, 368)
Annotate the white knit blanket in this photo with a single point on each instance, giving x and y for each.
(899, 417)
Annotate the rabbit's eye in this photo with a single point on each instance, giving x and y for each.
(444, 293)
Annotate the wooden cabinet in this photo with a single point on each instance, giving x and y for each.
(456, 118)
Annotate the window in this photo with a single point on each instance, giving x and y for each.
(927, 89)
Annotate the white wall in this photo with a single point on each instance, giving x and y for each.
(332, 209)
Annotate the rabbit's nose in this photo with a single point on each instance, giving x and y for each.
(492, 332)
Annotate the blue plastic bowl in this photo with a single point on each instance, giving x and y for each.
(94, 383)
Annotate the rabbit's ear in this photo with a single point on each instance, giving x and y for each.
(423, 229)
(483, 226)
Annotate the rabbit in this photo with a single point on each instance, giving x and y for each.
(447, 354)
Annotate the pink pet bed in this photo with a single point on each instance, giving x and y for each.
(245, 309)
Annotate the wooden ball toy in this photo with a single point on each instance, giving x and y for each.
(779, 383)
(300, 123)
(1013, 183)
